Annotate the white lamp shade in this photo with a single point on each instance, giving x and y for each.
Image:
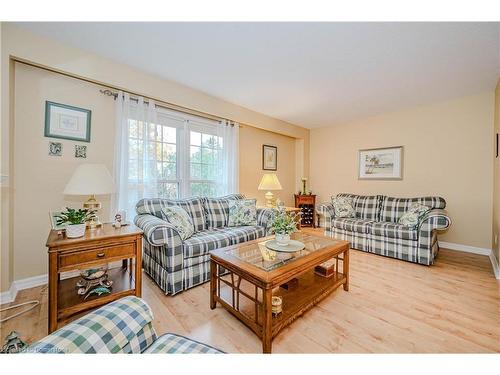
(90, 179)
(270, 182)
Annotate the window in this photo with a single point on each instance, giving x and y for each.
(178, 155)
(204, 155)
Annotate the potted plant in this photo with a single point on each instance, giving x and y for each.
(75, 221)
(283, 224)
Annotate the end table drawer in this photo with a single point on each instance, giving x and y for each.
(67, 260)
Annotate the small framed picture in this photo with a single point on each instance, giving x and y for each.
(53, 220)
(55, 148)
(67, 122)
(269, 158)
(80, 151)
(381, 164)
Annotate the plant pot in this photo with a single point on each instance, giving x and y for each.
(282, 239)
(75, 230)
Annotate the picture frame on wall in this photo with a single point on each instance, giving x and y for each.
(381, 163)
(67, 122)
(269, 158)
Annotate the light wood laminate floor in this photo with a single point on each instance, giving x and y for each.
(392, 307)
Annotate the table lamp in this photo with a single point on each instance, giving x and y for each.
(90, 179)
(269, 182)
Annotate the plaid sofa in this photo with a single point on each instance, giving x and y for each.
(375, 228)
(123, 326)
(176, 264)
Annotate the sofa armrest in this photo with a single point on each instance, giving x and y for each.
(157, 232)
(436, 219)
(326, 211)
(265, 216)
(122, 326)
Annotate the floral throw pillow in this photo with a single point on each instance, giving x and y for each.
(343, 207)
(180, 219)
(412, 217)
(242, 212)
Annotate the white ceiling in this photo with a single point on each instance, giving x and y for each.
(310, 74)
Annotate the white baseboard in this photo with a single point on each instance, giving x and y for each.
(9, 295)
(465, 248)
(474, 250)
(496, 268)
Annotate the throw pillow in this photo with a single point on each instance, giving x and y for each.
(343, 207)
(242, 212)
(180, 219)
(412, 217)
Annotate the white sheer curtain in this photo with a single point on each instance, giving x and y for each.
(228, 160)
(135, 161)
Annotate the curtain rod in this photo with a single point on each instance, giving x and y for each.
(159, 102)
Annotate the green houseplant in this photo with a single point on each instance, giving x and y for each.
(75, 221)
(283, 224)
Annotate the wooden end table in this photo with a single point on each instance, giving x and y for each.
(243, 279)
(98, 246)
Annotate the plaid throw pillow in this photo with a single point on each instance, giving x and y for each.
(180, 219)
(412, 217)
(343, 207)
(217, 210)
(242, 212)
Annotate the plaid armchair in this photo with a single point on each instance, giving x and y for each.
(176, 264)
(375, 228)
(123, 326)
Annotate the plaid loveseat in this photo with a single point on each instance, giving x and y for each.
(177, 264)
(123, 326)
(375, 228)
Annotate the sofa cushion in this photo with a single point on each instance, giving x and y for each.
(217, 210)
(353, 225)
(193, 206)
(180, 219)
(343, 207)
(367, 207)
(393, 230)
(204, 241)
(242, 212)
(244, 233)
(393, 208)
(413, 216)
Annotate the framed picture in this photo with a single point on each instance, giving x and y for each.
(269, 158)
(80, 151)
(53, 221)
(67, 122)
(381, 164)
(55, 149)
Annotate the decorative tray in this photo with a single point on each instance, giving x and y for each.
(292, 247)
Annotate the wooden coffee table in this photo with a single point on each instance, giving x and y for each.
(245, 277)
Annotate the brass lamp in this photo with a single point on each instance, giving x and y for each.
(90, 179)
(269, 182)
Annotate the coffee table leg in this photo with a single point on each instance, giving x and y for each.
(213, 284)
(267, 328)
(345, 269)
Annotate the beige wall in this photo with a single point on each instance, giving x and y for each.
(251, 141)
(447, 152)
(496, 183)
(40, 179)
(24, 255)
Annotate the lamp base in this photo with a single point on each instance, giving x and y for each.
(269, 199)
(94, 205)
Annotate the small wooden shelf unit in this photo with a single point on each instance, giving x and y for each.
(307, 205)
(99, 246)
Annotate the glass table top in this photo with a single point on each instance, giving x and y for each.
(260, 256)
